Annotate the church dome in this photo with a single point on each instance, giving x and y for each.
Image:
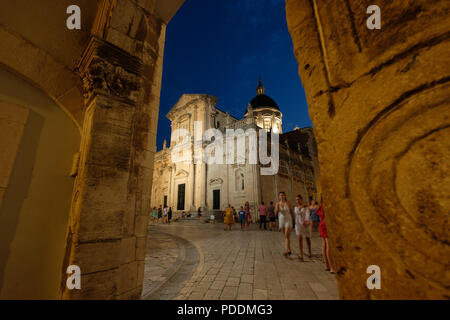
(264, 111)
(262, 100)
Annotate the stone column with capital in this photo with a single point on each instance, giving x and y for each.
(102, 188)
(111, 201)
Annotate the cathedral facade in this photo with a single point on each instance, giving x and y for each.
(189, 185)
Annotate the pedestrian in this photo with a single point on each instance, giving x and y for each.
(277, 222)
(155, 215)
(235, 217)
(285, 214)
(302, 224)
(159, 213)
(228, 218)
(262, 210)
(271, 216)
(327, 258)
(248, 216)
(169, 215)
(315, 220)
(242, 218)
(165, 212)
(199, 213)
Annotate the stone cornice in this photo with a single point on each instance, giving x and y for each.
(184, 117)
(216, 181)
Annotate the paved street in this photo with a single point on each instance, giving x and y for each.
(192, 260)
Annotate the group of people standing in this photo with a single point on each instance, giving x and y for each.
(243, 216)
(266, 215)
(299, 217)
(161, 214)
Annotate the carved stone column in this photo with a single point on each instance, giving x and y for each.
(102, 235)
(379, 102)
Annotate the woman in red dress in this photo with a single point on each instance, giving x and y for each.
(327, 258)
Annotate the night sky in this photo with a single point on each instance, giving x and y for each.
(220, 47)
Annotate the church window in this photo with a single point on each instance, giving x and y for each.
(267, 124)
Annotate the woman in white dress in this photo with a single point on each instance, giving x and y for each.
(285, 214)
(302, 225)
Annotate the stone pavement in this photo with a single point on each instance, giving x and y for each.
(192, 260)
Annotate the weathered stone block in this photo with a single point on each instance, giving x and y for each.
(109, 202)
(112, 138)
(97, 286)
(98, 256)
(128, 250)
(141, 225)
(127, 276)
(141, 245)
(140, 272)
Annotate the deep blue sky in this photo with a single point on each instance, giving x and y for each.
(220, 47)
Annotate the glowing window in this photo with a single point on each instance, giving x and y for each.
(267, 124)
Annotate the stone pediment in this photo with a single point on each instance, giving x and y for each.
(188, 99)
(182, 174)
(216, 181)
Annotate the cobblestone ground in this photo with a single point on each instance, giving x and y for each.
(193, 260)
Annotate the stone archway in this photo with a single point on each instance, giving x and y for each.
(378, 101)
